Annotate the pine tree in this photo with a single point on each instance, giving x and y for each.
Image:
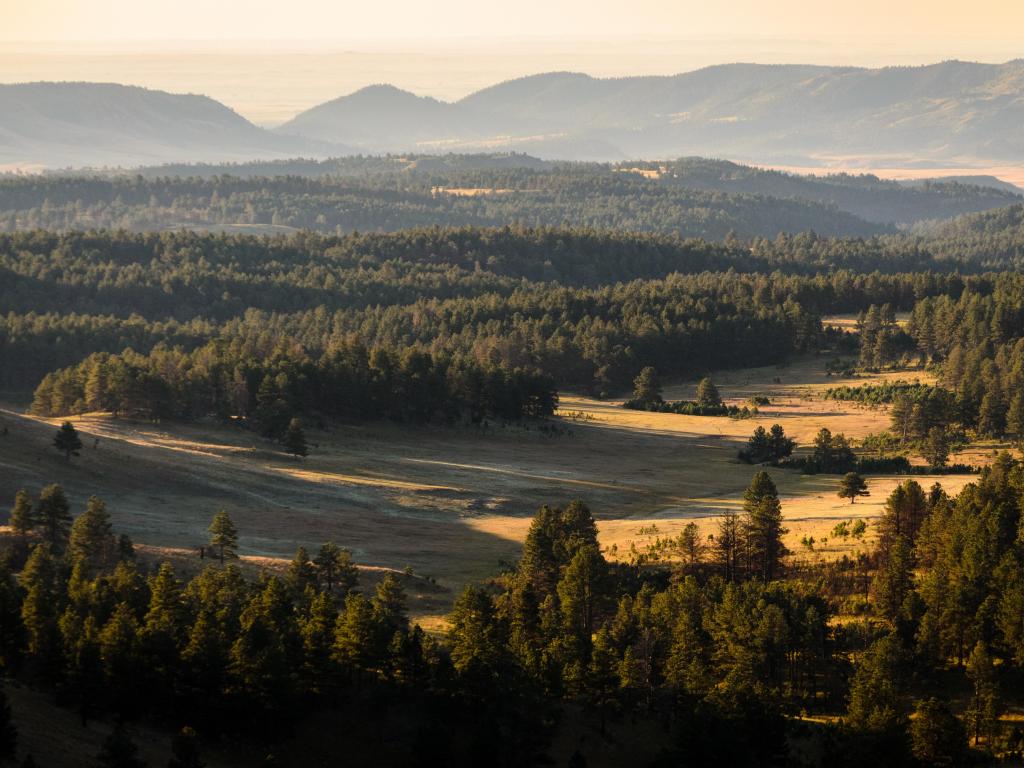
(23, 521)
(936, 735)
(690, 545)
(851, 486)
(301, 572)
(295, 439)
(54, 517)
(119, 751)
(936, 448)
(67, 440)
(646, 387)
(224, 537)
(762, 527)
(1015, 419)
(707, 393)
(185, 750)
(902, 416)
(335, 568)
(389, 604)
(985, 705)
(92, 538)
(8, 732)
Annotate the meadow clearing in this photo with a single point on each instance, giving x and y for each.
(450, 504)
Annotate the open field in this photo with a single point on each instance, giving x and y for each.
(451, 503)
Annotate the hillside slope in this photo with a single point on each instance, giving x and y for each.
(64, 124)
(953, 111)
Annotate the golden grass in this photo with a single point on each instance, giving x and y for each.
(452, 503)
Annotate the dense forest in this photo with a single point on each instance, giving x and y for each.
(487, 321)
(690, 197)
(730, 651)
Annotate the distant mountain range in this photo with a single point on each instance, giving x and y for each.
(953, 113)
(56, 125)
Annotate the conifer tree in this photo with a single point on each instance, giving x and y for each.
(936, 735)
(54, 517)
(67, 440)
(224, 537)
(301, 572)
(92, 538)
(334, 568)
(936, 448)
(646, 387)
(8, 732)
(851, 486)
(707, 393)
(185, 750)
(295, 439)
(984, 710)
(119, 751)
(23, 520)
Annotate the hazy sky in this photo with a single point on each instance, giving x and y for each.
(944, 22)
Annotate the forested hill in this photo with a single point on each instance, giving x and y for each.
(692, 197)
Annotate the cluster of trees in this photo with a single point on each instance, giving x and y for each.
(237, 381)
(769, 446)
(708, 401)
(882, 342)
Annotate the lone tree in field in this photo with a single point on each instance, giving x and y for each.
(646, 387)
(23, 521)
(67, 440)
(224, 537)
(936, 448)
(707, 393)
(851, 486)
(295, 439)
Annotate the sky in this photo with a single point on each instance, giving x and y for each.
(944, 22)
(270, 59)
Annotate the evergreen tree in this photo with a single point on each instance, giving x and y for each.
(690, 545)
(762, 527)
(852, 486)
(224, 537)
(54, 516)
(23, 521)
(67, 440)
(8, 732)
(937, 736)
(707, 393)
(119, 751)
(295, 439)
(984, 711)
(1015, 418)
(389, 605)
(334, 568)
(92, 539)
(901, 415)
(301, 572)
(727, 544)
(936, 448)
(874, 703)
(647, 388)
(185, 750)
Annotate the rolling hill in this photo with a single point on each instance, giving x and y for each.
(953, 111)
(96, 124)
